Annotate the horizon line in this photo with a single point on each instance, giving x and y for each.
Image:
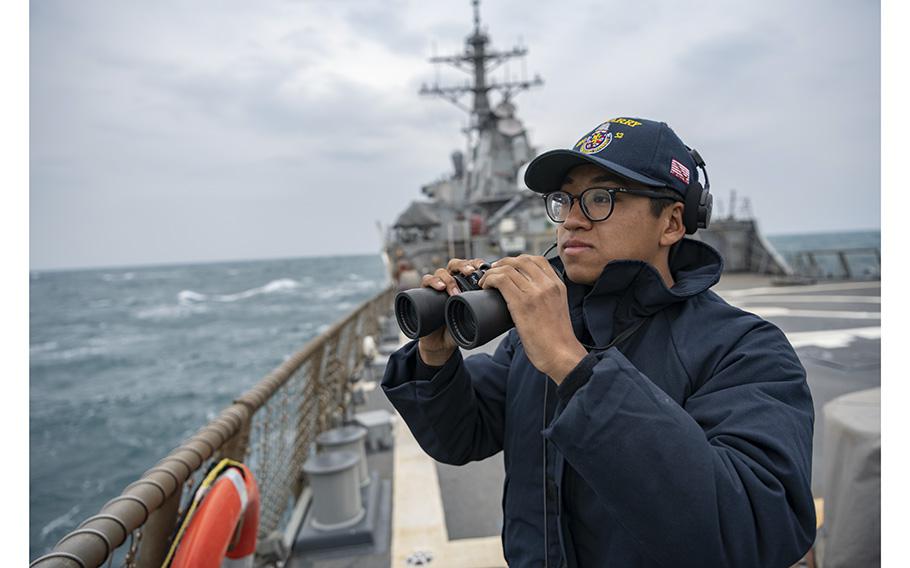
(153, 264)
(164, 264)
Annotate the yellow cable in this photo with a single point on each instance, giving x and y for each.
(207, 482)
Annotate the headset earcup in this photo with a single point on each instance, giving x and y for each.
(705, 209)
(691, 207)
(699, 201)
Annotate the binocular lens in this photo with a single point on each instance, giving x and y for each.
(461, 322)
(476, 317)
(407, 315)
(420, 311)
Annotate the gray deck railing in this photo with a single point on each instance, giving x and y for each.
(846, 263)
(271, 427)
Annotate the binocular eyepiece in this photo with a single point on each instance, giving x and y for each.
(473, 317)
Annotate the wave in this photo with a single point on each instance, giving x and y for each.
(65, 520)
(168, 312)
(42, 347)
(143, 275)
(50, 352)
(349, 288)
(72, 354)
(187, 297)
(123, 277)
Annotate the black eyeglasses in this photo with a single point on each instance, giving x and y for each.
(596, 202)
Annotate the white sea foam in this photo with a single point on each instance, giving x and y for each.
(91, 347)
(159, 275)
(72, 354)
(346, 289)
(189, 297)
(122, 277)
(190, 302)
(65, 520)
(42, 347)
(170, 311)
(281, 285)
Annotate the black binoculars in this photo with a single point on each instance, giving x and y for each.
(473, 317)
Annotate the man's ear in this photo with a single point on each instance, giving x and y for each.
(673, 228)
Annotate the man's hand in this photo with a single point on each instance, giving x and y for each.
(537, 302)
(436, 348)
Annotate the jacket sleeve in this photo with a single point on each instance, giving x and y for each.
(724, 479)
(456, 412)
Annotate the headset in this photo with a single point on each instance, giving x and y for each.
(699, 202)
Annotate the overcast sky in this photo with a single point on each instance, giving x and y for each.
(193, 131)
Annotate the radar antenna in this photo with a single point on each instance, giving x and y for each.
(478, 60)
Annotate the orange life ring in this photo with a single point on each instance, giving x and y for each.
(222, 532)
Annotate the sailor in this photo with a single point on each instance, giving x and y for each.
(644, 421)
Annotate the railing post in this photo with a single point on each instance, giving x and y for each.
(322, 382)
(311, 402)
(236, 448)
(347, 356)
(157, 531)
(842, 255)
(813, 264)
(306, 424)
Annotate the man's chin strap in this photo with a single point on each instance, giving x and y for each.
(550, 248)
(562, 274)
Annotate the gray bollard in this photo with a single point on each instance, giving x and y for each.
(347, 438)
(379, 428)
(336, 492)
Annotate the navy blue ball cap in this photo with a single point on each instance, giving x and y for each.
(636, 149)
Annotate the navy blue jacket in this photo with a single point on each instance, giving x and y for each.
(689, 444)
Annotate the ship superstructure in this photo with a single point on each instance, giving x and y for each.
(481, 209)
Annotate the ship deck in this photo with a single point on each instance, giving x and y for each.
(454, 513)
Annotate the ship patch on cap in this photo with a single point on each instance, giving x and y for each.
(597, 140)
(680, 171)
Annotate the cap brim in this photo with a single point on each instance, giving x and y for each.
(547, 171)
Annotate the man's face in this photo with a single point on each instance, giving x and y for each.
(632, 232)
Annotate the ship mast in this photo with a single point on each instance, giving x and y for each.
(478, 59)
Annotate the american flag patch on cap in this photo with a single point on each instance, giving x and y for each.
(680, 171)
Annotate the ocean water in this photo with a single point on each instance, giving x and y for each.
(127, 363)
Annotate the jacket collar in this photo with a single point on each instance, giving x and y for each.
(634, 289)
